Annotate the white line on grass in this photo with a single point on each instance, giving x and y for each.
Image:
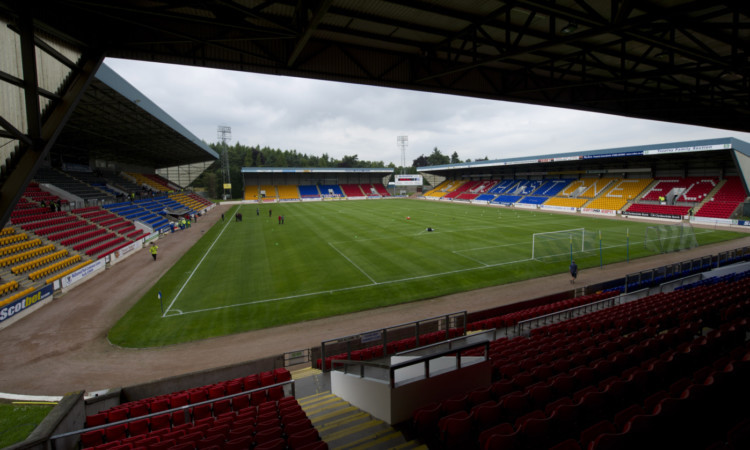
(420, 233)
(457, 253)
(352, 263)
(351, 288)
(197, 266)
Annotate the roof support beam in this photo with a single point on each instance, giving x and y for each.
(40, 136)
(309, 29)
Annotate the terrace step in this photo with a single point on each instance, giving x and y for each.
(344, 426)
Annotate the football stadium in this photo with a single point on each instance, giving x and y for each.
(594, 299)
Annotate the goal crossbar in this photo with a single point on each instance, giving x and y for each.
(572, 240)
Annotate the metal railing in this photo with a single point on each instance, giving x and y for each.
(184, 409)
(566, 314)
(386, 371)
(385, 336)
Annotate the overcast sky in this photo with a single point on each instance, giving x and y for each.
(317, 117)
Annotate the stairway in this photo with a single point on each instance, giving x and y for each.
(341, 425)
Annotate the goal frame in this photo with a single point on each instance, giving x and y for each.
(569, 232)
(667, 240)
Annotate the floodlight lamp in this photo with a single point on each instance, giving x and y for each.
(571, 27)
(731, 76)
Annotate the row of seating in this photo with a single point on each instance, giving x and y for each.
(194, 395)
(44, 271)
(10, 238)
(10, 286)
(317, 191)
(68, 183)
(513, 318)
(71, 233)
(29, 209)
(68, 271)
(52, 226)
(690, 189)
(397, 346)
(265, 418)
(36, 250)
(584, 395)
(20, 294)
(33, 264)
(613, 193)
(99, 238)
(584, 366)
(46, 217)
(274, 425)
(110, 246)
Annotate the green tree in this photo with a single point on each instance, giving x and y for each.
(421, 161)
(454, 158)
(349, 161)
(437, 158)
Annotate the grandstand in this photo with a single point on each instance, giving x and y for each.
(234, 412)
(662, 369)
(313, 184)
(103, 229)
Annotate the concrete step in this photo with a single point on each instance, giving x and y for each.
(343, 426)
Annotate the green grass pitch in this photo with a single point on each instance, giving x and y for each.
(331, 258)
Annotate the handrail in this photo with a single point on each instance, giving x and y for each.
(381, 334)
(569, 312)
(417, 360)
(167, 411)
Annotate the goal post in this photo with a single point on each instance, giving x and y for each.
(670, 238)
(557, 244)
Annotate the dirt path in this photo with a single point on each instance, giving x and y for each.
(63, 346)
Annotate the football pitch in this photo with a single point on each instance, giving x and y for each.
(331, 258)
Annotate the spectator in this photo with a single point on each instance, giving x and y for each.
(573, 271)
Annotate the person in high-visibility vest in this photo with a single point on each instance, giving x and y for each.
(154, 248)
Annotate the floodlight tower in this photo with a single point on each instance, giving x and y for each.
(224, 133)
(403, 142)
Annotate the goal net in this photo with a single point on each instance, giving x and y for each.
(670, 238)
(561, 245)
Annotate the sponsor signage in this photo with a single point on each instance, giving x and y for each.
(712, 220)
(120, 254)
(567, 158)
(21, 304)
(655, 215)
(695, 148)
(614, 155)
(559, 208)
(372, 336)
(81, 273)
(604, 212)
(522, 161)
(408, 180)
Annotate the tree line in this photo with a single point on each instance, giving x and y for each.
(240, 156)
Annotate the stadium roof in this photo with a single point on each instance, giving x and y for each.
(674, 60)
(115, 122)
(701, 154)
(258, 170)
